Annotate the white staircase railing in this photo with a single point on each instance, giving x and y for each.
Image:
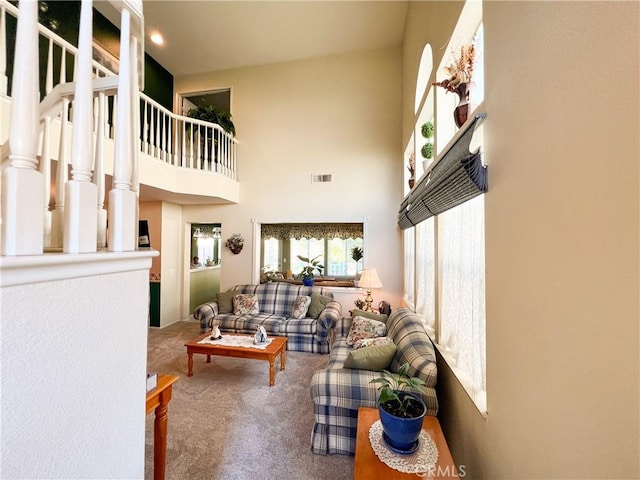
(26, 176)
(78, 124)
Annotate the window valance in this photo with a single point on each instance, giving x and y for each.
(285, 231)
(456, 177)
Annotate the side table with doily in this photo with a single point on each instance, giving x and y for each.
(432, 459)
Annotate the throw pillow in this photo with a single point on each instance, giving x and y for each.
(365, 328)
(245, 304)
(374, 358)
(318, 304)
(225, 301)
(374, 316)
(370, 342)
(300, 307)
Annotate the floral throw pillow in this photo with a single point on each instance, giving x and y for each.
(371, 342)
(245, 304)
(300, 307)
(365, 328)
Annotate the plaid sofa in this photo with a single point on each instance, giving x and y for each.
(275, 301)
(337, 392)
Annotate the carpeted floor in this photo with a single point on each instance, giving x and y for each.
(226, 423)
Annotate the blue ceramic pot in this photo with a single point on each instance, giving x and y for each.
(307, 282)
(402, 433)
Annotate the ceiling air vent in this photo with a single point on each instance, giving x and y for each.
(326, 177)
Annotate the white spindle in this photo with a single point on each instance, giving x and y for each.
(22, 183)
(122, 201)
(99, 172)
(80, 219)
(57, 215)
(3, 51)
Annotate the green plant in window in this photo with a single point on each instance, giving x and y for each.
(313, 264)
(357, 253)
(427, 130)
(427, 150)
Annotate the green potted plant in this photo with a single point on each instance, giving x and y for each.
(212, 114)
(307, 273)
(427, 149)
(401, 409)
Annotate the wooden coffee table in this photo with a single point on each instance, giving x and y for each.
(277, 347)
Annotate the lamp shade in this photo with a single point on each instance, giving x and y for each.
(369, 279)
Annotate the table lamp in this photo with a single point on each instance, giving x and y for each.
(369, 280)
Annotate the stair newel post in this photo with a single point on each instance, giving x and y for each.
(22, 183)
(99, 172)
(80, 219)
(122, 201)
(62, 172)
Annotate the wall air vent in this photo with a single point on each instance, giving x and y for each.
(323, 178)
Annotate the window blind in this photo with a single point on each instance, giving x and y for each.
(456, 177)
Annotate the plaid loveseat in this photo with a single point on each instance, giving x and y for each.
(337, 392)
(276, 303)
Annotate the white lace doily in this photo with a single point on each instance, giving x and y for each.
(422, 460)
(236, 341)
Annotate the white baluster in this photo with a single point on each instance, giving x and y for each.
(99, 172)
(22, 183)
(80, 219)
(45, 158)
(62, 173)
(3, 52)
(122, 201)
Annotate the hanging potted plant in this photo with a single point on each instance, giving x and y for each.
(401, 410)
(307, 273)
(412, 169)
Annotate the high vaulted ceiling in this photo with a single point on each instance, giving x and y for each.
(204, 36)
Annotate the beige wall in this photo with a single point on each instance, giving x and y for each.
(173, 266)
(337, 115)
(562, 212)
(152, 212)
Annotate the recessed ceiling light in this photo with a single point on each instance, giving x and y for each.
(157, 38)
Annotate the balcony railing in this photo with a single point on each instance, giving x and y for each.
(175, 139)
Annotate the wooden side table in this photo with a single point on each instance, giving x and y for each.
(158, 399)
(369, 467)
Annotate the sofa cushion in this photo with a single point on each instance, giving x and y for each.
(318, 304)
(303, 325)
(300, 306)
(365, 328)
(225, 301)
(370, 342)
(374, 357)
(374, 316)
(245, 304)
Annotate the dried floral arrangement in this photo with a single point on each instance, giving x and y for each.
(460, 71)
(412, 164)
(235, 243)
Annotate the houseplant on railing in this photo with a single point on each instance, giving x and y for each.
(401, 410)
(211, 114)
(307, 272)
(460, 73)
